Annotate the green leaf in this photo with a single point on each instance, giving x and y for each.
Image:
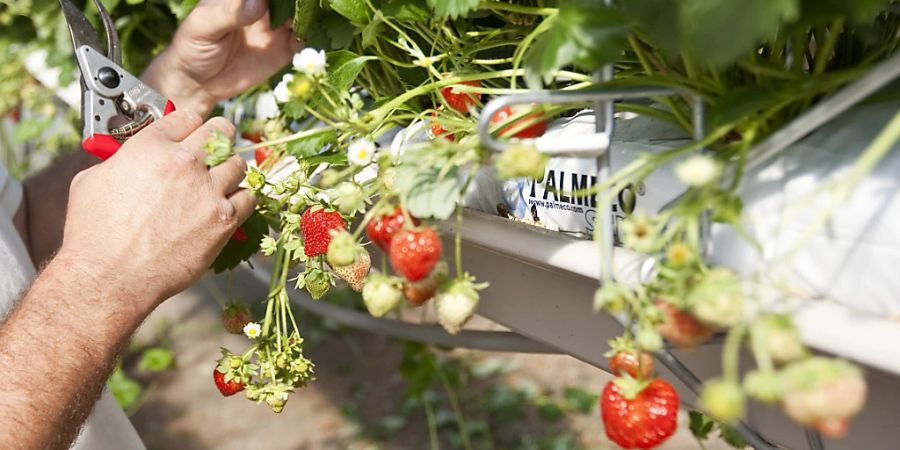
(819, 12)
(126, 390)
(427, 193)
(157, 359)
(372, 32)
(343, 68)
(739, 103)
(355, 10)
(452, 8)
(236, 251)
(181, 8)
(407, 10)
(339, 31)
(306, 17)
(312, 145)
(718, 31)
(654, 19)
(584, 33)
(280, 11)
(334, 158)
(580, 400)
(732, 437)
(550, 412)
(294, 109)
(700, 425)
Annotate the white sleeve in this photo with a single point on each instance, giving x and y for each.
(10, 193)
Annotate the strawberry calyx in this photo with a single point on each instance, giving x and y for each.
(630, 387)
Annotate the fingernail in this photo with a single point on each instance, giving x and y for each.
(252, 8)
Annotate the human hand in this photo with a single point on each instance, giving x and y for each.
(153, 217)
(222, 48)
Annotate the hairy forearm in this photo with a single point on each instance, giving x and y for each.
(42, 216)
(57, 349)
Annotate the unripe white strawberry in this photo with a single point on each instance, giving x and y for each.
(823, 393)
(381, 293)
(456, 302)
(717, 299)
(356, 272)
(779, 336)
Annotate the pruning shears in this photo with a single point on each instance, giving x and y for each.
(115, 105)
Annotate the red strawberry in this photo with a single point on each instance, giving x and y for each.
(316, 224)
(438, 130)
(681, 328)
(415, 252)
(235, 316)
(253, 130)
(239, 235)
(636, 363)
(529, 126)
(382, 228)
(355, 272)
(419, 292)
(638, 415)
(262, 155)
(252, 135)
(461, 101)
(227, 388)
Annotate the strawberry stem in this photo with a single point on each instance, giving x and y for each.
(731, 353)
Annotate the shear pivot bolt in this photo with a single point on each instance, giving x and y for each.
(108, 77)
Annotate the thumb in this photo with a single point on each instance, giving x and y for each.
(212, 19)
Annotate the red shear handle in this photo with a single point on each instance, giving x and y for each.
(103, 145)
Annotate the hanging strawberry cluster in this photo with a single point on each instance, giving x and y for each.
(427, 67)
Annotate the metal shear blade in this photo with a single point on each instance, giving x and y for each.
(115, 104)
(83, 33)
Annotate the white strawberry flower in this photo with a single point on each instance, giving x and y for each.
(252, 330)
(282, 90)
(698, 170)
(310, 61)
(360, 152)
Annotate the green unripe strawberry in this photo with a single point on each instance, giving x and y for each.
(521, 160)
(723, 400)
(648, 339)
(717, 299)
(343, 250)
(349, 198)
(764, 386)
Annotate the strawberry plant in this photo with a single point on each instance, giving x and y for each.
(375, 66)
(371, 67)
